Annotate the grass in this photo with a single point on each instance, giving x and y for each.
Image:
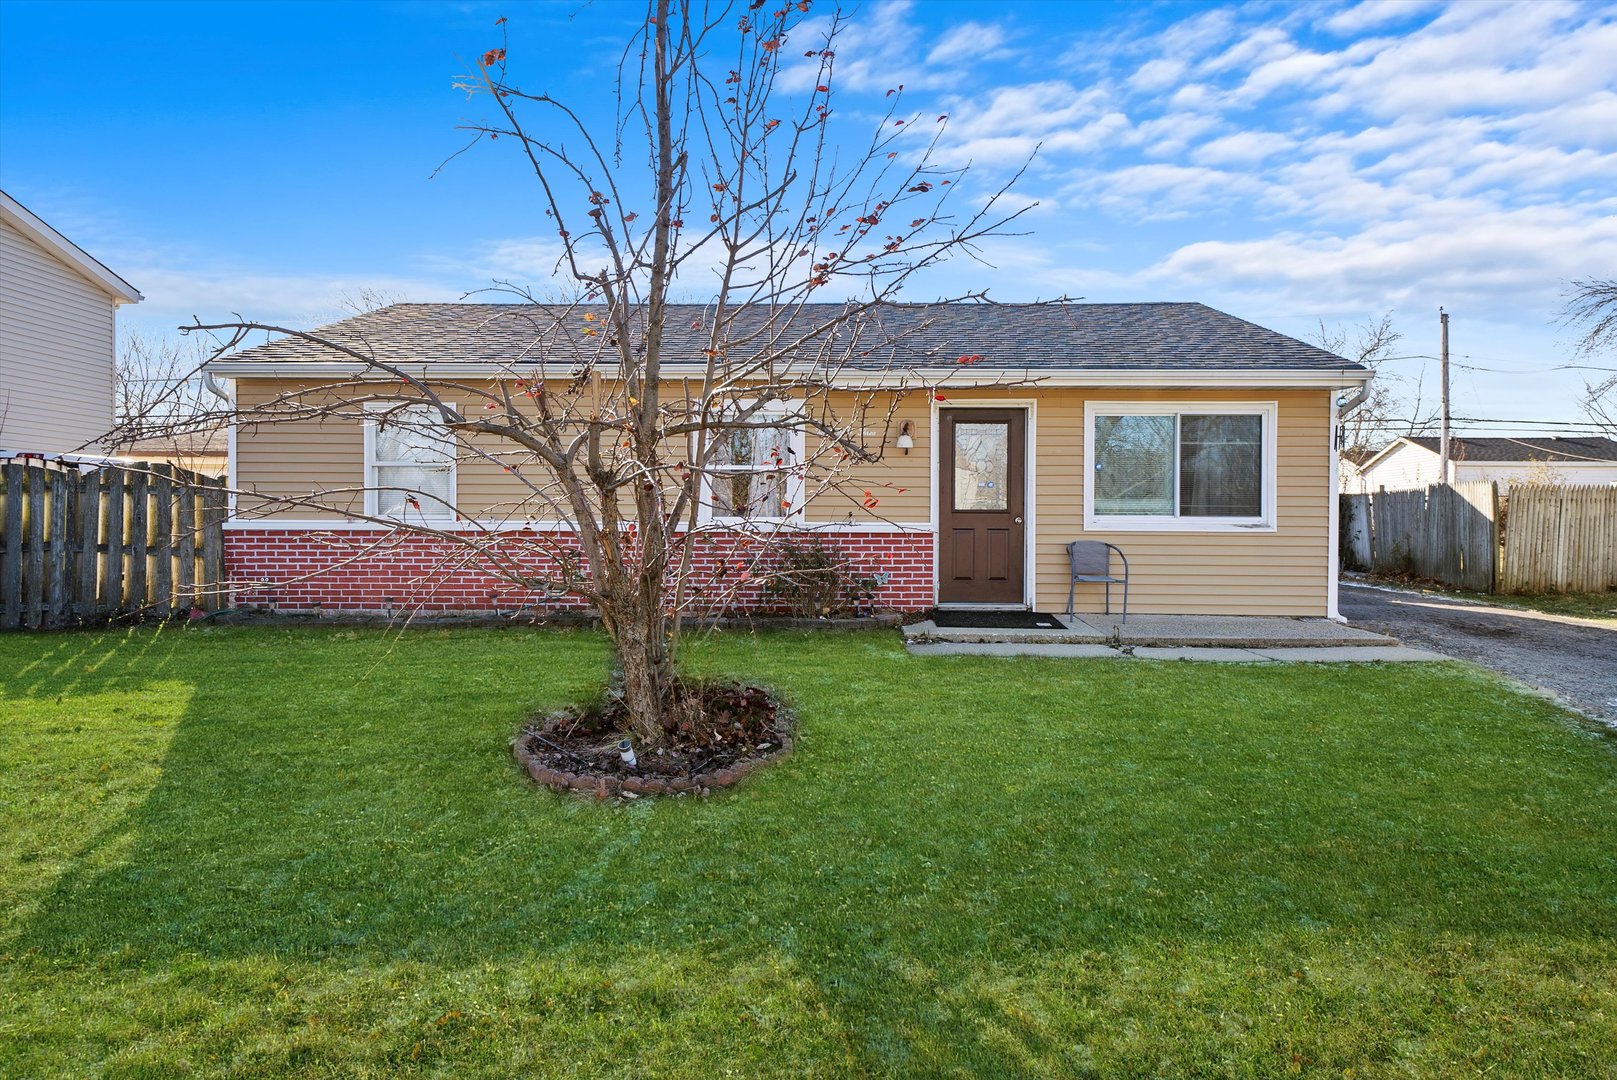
(249, 852)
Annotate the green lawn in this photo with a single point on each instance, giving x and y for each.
(1592, 605)
(249, 852)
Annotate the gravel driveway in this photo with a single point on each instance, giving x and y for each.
(1574, 658)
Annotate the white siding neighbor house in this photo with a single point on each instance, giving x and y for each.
(58, 338)
(1413, 462)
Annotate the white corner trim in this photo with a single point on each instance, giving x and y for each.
(1267, 522)
(1334, 542)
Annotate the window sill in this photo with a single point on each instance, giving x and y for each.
(1177, 525)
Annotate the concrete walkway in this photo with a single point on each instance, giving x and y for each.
(1219, 638)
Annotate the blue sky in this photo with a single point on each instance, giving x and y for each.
(1287, 163)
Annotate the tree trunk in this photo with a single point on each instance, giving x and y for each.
(642, 653)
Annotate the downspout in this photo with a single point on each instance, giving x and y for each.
(211, 383)
(1340, 407)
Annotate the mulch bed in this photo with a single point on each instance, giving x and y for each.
(720, 733)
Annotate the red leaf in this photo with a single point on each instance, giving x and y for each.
(493, 56)
(500, 21)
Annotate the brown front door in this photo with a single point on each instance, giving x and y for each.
(982, 455)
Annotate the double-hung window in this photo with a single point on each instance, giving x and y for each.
(409, 464)
(1184, 467)
(754, 470)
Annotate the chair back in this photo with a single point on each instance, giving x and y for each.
(1090, 557)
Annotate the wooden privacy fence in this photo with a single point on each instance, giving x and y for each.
(1550, 537)
(77, 545)
(1443, 532)
(1560, 539)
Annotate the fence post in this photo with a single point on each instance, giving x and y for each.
(11, 549)
(214, 509)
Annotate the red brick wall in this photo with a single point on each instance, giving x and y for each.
(299, 569)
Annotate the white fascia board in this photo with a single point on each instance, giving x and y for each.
(910, 378)
(66, 251)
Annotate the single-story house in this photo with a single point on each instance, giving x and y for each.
(1200, 444)
(58, 338)
(1414, 462)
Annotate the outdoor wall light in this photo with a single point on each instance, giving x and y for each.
(906, 441)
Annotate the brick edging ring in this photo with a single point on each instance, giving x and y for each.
(603, 786)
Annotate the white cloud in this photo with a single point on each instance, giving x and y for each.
(973, 42)
(1374, 13)
(1241, 148)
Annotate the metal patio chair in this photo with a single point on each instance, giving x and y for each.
(1091, 561)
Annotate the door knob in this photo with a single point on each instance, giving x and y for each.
(1019, 521)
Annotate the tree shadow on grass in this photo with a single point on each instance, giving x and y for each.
(347, 801)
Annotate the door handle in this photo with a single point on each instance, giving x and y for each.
(1018, 521)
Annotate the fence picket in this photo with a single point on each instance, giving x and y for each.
(59, 551)
(162, 489)
(138, 486)
(33, 578)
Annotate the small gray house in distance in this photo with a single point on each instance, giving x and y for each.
(1201, 444)
(1414, 462)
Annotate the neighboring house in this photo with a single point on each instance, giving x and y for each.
(203, 452)
(1199, 443)
(58, 338)
(1414, 462)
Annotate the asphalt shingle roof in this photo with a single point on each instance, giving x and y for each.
(1524, 448)
(1051, 338)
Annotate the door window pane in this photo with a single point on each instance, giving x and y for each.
(981, 466)
(1221, 466)
(1134, 464)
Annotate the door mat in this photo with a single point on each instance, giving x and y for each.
(996, 620)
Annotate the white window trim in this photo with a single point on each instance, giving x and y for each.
(436, 515)
(1267, 522)
(795, 481)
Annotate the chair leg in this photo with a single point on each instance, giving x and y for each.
(1108, 598)
(1125, 598)
(1072, 588)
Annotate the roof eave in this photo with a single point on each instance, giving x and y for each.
(914, 377)
(31, 226)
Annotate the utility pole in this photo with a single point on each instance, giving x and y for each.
(1443, 441)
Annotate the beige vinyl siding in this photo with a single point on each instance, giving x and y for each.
(1193, 573)
(299, 459)
(1283, 572)
(1224, 573)
(899, 483)
(303, 458)
(57, 344)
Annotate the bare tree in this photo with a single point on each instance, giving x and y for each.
(160, 400)
(649, 439)
(1592, 305)
(1393, 404)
